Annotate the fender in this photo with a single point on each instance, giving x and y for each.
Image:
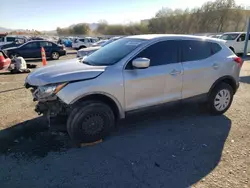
(118, 104)
(227, 78)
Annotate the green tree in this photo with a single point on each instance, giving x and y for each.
(81, 29)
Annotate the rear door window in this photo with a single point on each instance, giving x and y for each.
(195, 50)
(10, 39)
(215, 47)
(87, 40)
(31, 45)
(45, 44)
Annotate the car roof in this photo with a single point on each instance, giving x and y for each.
(39, 41)
(233, 33)
(87, 38)
(175, 36)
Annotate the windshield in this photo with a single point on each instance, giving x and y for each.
(231, 36)
(112, 53)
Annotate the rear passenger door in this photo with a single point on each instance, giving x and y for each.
(201, 66)
(159, 83)
(87, 42)
(48, 46)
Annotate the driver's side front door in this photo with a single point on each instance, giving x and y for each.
(30, 50)
(159, 83)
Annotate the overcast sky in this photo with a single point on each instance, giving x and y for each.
(49, 14)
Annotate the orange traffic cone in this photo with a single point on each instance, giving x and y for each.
(43, 56)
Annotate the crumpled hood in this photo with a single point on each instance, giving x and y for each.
(70, 70)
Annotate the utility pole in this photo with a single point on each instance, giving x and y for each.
(247, 38)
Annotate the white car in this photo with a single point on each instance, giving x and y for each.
(7, 39)
(87, 51)
(100, 43)
(83, 42)
(236, 41)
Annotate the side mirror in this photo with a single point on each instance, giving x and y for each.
(141, 63)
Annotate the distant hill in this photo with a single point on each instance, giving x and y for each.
(3, 30)
(92, 26)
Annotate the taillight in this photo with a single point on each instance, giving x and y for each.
(238, 60)
(1, 57)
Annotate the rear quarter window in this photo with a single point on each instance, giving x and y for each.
(193, 50)
(11, 39)
(215, 47)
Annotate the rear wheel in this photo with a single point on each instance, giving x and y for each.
(55, 55)
(90, 121)
(220, 99)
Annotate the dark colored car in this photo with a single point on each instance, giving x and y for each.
(32, 49)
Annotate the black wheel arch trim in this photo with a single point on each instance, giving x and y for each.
(224, 79)
(103, 97)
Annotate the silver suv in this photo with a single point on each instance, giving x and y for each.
(134, 73)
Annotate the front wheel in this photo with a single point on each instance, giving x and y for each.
(55, 55)
(90, 122)
(220, 99)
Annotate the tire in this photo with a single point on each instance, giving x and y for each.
(13, 55)
(220, 99)
(81, 47)
(90, 121)
(55, 55)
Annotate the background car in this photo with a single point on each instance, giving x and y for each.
(83, 42)
(99, 43)
(16, 43)
(7, 39)
(111, 40)
(32, 49)
(4, 61)
(87, 51)
(236, 42)
(67, 42)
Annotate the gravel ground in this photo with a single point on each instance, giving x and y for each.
(177, 147)
(15, 100)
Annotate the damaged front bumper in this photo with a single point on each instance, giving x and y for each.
(50, 106)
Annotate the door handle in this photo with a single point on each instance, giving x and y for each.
(215, 66)
(175, 72)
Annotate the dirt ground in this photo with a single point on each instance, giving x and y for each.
(184, 148)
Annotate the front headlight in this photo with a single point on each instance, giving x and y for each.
(48, 91)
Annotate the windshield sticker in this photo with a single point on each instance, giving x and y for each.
(133, 43)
